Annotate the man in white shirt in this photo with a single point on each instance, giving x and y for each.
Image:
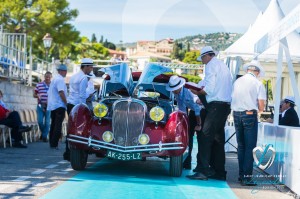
(57, 104)
(77, 90)
(248, 98)
(217, 90)
(90, 91)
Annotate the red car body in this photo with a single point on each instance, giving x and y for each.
(128, 118)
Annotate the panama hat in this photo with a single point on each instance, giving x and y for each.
(290, 99)
(87, 62)
(175, 83)
(204, 51)
(62, 67)
(255, 65)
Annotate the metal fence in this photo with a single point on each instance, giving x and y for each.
(16, 63)
(13, 63)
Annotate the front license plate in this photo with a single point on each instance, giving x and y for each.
(123, 156)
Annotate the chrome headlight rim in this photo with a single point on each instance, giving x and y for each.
(104, 106)
(110, 134)
(156, 109)
(147, 138)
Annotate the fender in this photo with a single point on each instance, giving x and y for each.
(80, 121)
(177, 131)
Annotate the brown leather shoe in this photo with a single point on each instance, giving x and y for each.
(197, 176)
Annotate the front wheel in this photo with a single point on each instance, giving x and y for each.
(176, 166)
(78, 159)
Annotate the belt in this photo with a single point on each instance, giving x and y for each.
(219, 102)
(248, 112)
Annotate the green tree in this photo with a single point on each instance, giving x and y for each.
(176, 49)
(105, 43)
(192, 78)
(101, 39)
(94, 38)
(111, 46)
(38, 17)
(270, 93)
(188, 48)
(87, 49)
(191, 57)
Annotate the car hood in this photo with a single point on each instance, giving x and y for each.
(120, 73)
(150, 72)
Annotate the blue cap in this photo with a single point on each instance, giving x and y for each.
(62, 67)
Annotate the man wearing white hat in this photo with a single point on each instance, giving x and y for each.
(248, 98)
(217, 91)
(57, 104)
(186, 99)
(77, 90)
(90, 90)
(289, 116)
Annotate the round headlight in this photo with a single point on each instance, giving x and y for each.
(144, 139)
(157, 113)
(107, 136)
(100, 110)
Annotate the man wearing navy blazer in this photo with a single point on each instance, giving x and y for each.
(289, 115)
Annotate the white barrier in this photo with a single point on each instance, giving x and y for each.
(286, 142)
(230, 137)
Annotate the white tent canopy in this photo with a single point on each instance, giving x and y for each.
(262, 25)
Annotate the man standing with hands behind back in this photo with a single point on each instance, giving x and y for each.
(57, 104)
(43, 115)
(248, 98)
(217, 90)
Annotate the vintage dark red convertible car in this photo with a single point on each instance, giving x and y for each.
(134, 119)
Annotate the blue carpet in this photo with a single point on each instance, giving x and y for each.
(109, 179)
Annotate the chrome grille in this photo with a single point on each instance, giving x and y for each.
(128, 121)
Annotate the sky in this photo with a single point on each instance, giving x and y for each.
(135, 20)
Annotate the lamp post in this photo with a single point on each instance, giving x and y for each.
(47, 40)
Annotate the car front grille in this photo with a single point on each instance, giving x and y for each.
(128, 121)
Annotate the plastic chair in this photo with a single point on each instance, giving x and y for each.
(35, 124)
(22, 117)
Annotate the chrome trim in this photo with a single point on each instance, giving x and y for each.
(129, 101)
(140, 148)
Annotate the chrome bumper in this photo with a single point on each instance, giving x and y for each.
(97, 145)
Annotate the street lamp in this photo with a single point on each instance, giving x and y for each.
(47, 39)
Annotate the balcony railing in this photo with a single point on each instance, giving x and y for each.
(13, 64)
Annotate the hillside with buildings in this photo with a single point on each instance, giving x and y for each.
(219, 41)
(166, 50)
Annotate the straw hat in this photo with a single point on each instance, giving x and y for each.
(175, 83)
(255, 65)
(205, 50)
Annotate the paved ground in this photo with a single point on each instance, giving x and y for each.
(40, 172)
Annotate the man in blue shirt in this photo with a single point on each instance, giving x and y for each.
(186, 100)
